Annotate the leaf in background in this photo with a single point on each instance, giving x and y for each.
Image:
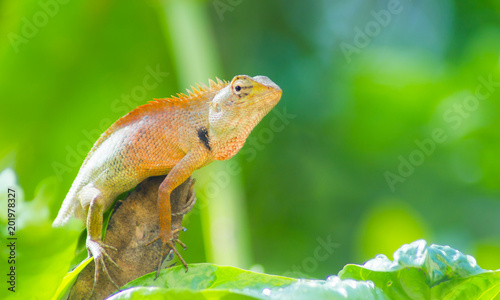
(43, 253)
(419, 272)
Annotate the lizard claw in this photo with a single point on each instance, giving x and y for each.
(109, 247)
(181, 243)
(171, 244)
(173, 232)
(97, 249)
(153, 241)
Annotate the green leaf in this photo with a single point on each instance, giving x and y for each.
(332, 288)
(209, 276)
(70, 278)
(207, 281)
(177, 294)
(406, 283)
(421, 272)
(483, 286)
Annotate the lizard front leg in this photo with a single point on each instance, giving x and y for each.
(179, 173)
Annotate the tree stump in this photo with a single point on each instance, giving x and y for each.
(133, 224)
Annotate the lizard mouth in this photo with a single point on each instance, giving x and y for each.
(269, 101)
(270, 93)
(274, 96)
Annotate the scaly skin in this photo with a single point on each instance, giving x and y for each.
(173, 136)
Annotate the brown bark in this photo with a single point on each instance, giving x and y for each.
(133, 224)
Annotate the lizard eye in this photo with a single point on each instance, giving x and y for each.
(240, 87)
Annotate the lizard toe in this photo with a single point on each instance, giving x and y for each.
(98, 250)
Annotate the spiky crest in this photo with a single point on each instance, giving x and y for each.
(211, 83)
(193, 92)
(180, 99)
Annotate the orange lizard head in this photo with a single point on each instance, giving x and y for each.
(237, 108)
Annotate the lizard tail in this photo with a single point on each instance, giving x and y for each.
(68, 208)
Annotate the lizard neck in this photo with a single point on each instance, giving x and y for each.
(227, 145)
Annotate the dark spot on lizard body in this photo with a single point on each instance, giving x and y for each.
(204, 138)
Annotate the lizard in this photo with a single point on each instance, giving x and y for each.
(168, 136)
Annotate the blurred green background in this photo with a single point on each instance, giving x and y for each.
(387, 131)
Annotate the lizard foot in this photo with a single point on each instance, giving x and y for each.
(173, 232)
(171, 244)
(98, 251)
